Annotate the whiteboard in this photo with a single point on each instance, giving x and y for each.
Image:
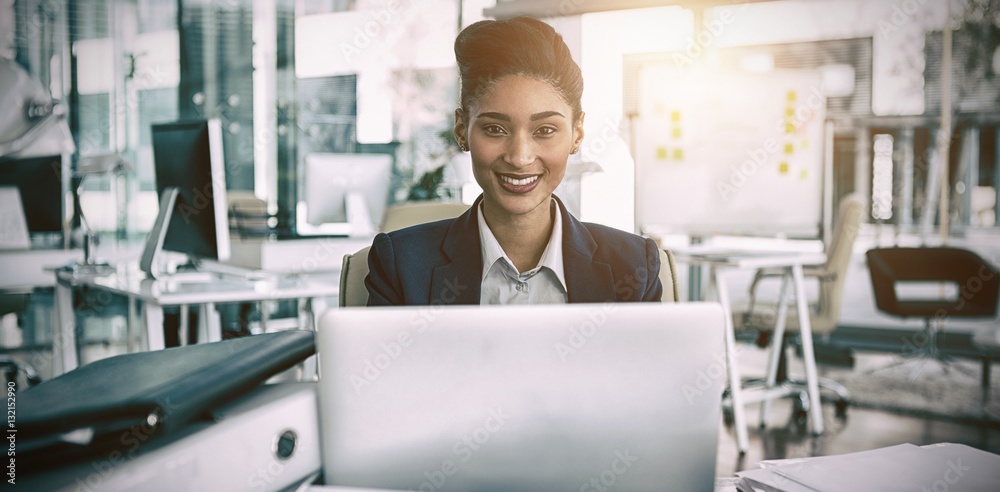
(729, 153)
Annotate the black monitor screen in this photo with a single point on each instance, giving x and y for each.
(39, 180)
(187, 156)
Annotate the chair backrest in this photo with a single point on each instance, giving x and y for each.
(977, 281)
(408, 214)
(355, 268)
(668, 277)
(352, 279)
(850, 215)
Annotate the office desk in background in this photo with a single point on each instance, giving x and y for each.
(23, 270)
(719, 260)
(306, 269)
(153, 295)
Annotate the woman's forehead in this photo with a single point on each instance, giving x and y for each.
(521, 96)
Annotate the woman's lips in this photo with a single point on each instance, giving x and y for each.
(519, 184)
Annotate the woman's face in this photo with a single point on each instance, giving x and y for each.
(520, 133)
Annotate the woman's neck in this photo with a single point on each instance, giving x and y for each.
(522, 237)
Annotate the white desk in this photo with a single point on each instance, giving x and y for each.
(23, 270)
(153, 295)
(791, 263)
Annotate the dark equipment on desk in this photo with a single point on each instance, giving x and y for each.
(191, 183)
(119, 403)
(40, 180)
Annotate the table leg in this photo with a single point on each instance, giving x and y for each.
(314, 307)
(209, 319)
(317, 306)
(694, 283)
(132, 345)
(812, 379)
(152, 318)
(777, 347)
(265, 314)
(718, 284)
(182, 326)
(64, 356)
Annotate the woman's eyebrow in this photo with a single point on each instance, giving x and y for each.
(545, 114)
(495, 116)
(534, 117)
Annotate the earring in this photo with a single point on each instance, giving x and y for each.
(575, 150)
(462, 146)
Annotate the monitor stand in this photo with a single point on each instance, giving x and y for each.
(150, 263)
(358, 216)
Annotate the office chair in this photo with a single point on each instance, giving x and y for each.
(11, 303)
(977, 282)
(355, 266)
(823, 316)
(10, 367)
(408, 214)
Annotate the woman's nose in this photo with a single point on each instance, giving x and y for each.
(520, 151)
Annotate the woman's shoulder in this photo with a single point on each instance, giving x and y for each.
(430, 234)
(419, 231)
(609, 237)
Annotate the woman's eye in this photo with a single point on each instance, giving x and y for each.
(494, 130)
(545, 131)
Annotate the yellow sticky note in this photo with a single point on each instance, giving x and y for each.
(804, 144)
(803, 174)
(675, 115)
(789, 128)
(783, 168)
(678, 154)
(661, 153)
(790, 111)
(676, 132)
(789, 148)
(791, 95)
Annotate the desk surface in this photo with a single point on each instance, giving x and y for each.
(219, 289)
(27, 269)
(747, 258)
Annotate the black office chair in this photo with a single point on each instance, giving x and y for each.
(977, 280)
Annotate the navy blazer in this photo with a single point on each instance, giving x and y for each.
(441, 263)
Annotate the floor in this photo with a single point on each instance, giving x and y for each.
(862, 429)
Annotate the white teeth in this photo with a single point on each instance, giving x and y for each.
(518, 182)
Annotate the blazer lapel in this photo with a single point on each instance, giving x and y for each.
(459, 282)
(587, 280)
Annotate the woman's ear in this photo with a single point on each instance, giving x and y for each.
(461, 130)
(578, 132)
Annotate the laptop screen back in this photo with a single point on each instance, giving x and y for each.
(569, 397)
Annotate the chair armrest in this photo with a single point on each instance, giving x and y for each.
(818, 272)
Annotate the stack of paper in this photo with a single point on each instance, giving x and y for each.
(951, 467)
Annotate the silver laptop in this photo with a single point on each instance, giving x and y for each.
(569, 397)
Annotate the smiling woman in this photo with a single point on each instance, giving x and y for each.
(520, 117)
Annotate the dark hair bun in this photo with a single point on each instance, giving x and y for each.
(489, 50)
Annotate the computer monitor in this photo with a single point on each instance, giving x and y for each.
(40, 181)
(344, 193)
(191, 183)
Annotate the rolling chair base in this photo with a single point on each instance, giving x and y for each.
(920, 361)
(830, 392)
(929, 353)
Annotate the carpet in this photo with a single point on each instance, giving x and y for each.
(912, 389)
(922, 388)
